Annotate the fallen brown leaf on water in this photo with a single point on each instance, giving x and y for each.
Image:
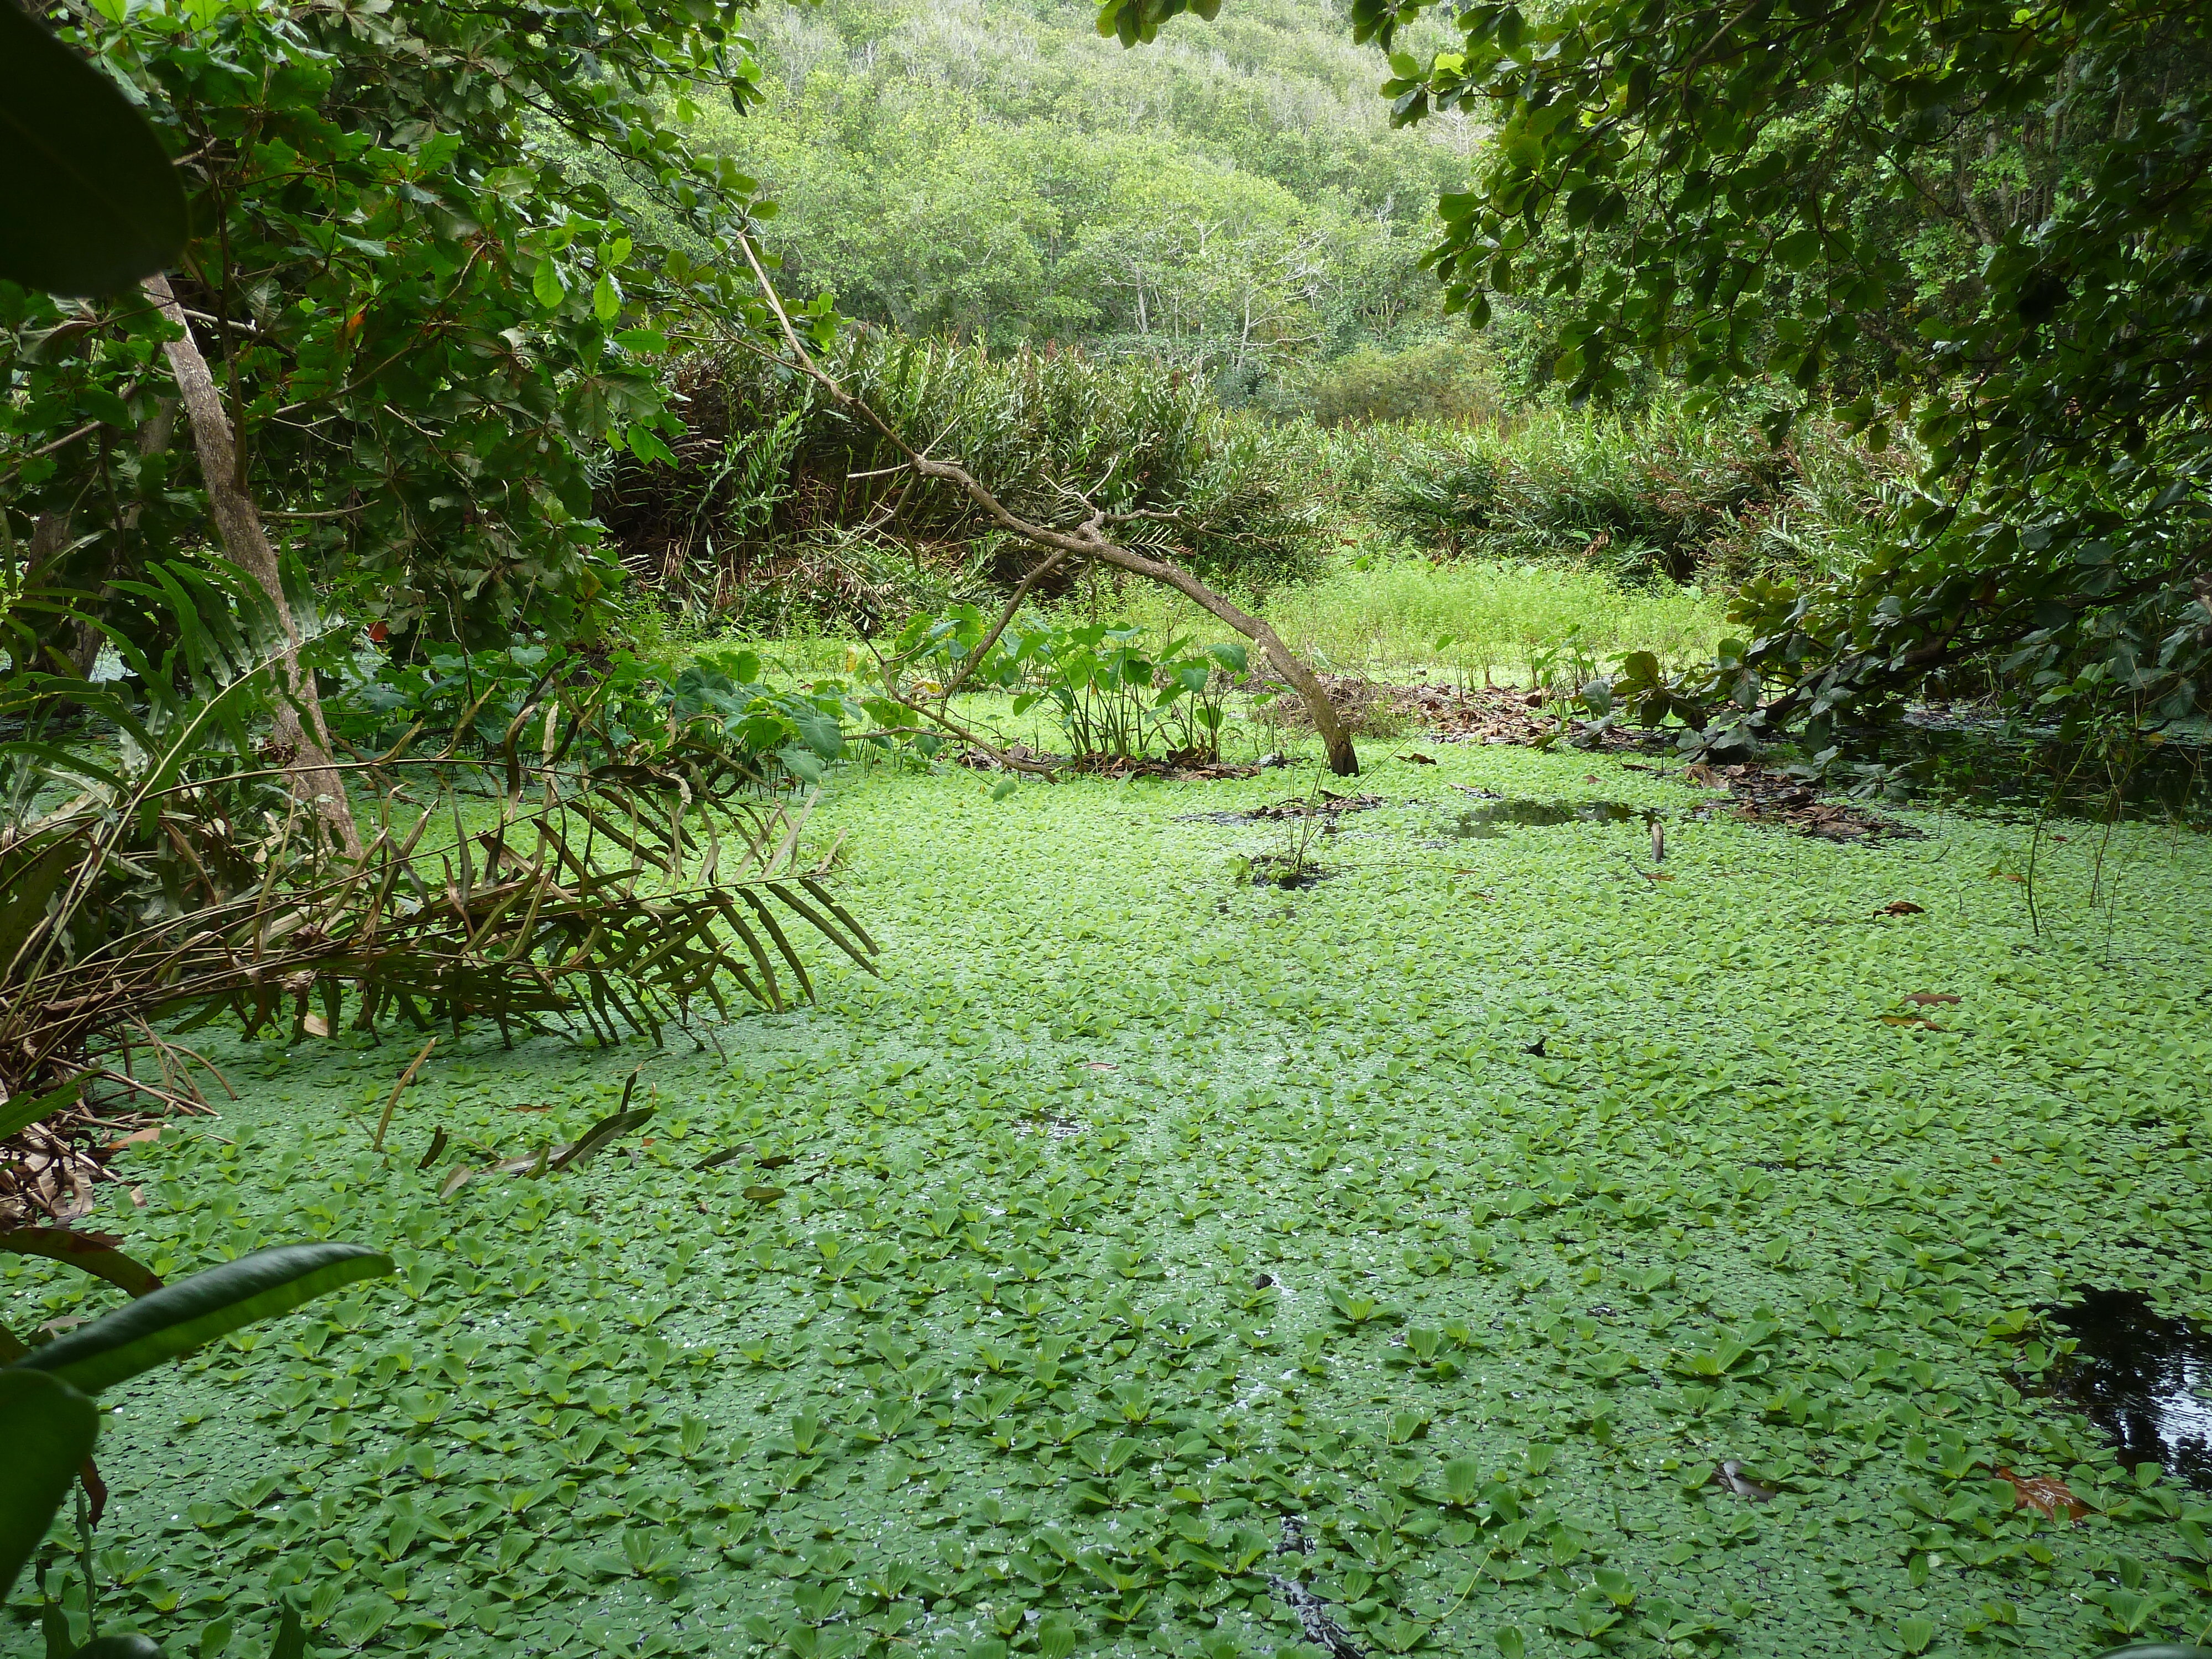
(2047, 1494)
(1928, 999)
(1657, 875)
(315, 1025)
(1900, 907)
(455, 1182)
(1099, 1065)
(137, 1137)
(1913, 1021)
(2009, 875)
(1418, 760)
(529, 1109)
(1590, 777)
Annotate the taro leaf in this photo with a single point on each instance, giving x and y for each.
(820, 734)
(93, 1253)
(29, 875)
(20, 1111)
(133, 1646)
(600, 1136)
(50, 1428)
(180, 1317)
(88, 200)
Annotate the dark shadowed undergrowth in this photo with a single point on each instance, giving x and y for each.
(1457, 1215)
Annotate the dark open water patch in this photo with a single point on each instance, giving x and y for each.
(2144, 1379)
(1984, 764)
(1494, 818)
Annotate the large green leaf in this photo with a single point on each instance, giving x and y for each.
(88, 200)
(92, 1253)
(49, 1428)
(19, 1112)
(180, 1317)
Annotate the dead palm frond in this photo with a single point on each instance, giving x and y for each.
(159, 875)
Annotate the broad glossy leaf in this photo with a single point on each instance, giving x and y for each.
(180, 1317)
(49, 1428)
(92, 1253)
(89, 202)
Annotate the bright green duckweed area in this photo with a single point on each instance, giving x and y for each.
(1138, 1208)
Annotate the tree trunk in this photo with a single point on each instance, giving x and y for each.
(314, 776)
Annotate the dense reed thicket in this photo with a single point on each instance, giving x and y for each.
(780, 508)
(1654, 496)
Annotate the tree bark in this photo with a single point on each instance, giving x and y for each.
(314, 777)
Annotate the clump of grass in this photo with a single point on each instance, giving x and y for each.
(1390, 617)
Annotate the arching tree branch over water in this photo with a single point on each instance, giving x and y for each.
(1087, 540)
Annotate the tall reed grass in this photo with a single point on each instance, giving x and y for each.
(1654, 496)
(1395, 618)
(782, 511)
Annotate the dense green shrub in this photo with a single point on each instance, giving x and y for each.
(771, 482)
(1449, 380)
(1654, 496)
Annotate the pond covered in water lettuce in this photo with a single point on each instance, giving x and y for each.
(1151, 1258)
